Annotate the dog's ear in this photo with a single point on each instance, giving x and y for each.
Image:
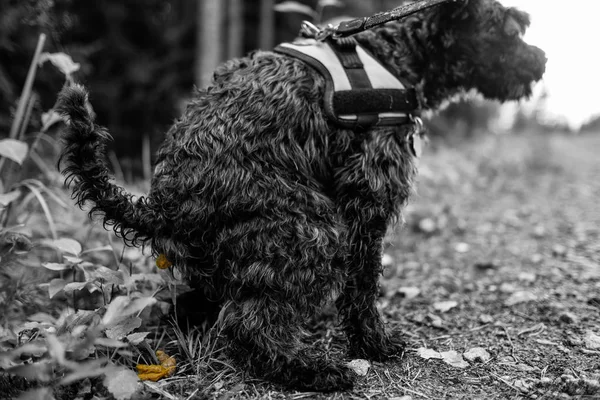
(516, 22)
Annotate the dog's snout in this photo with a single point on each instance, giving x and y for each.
(537, 59)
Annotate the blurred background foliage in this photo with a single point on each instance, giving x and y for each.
(141, 58)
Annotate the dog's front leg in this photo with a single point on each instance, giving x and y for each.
(357, 303)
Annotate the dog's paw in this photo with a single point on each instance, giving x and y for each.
(378, 347)
(320, 378)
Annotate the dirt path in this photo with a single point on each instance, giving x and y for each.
(507, 231)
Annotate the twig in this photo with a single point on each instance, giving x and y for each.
(505, 382)
(512, 347)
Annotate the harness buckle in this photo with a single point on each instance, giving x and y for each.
(312, 31)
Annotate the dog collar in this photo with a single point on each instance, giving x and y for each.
(360, 92)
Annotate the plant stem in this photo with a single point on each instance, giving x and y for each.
(26, 92)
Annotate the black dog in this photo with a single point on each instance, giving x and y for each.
(270, 208)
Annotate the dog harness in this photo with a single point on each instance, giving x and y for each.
(359, 90)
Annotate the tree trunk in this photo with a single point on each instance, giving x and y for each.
(209, 40)
(235, 29)
(267, 24)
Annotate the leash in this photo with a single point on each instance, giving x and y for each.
(348, 28)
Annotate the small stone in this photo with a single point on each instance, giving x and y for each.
(386, 260)
(592, 341)
(539, 231)
(359, 366)
(520, 297)
(462, 247)
(401, 398)
(435, 321)
(524, 385)
(545, 380)
(477, 354)
(408, 292)
(507, 288)
(558, 250)
(444, 306)
(527, 277)
(568, 318)
(427, 225)
(537, 258)
(486, 319)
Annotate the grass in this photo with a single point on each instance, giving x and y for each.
(504, 228)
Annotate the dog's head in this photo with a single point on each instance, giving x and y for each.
(483, 41)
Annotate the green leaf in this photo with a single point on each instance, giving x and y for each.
(137, 337)
(330, 3)
(56, 349)
(7, 198)
(57, 266)
(55, 286)
(66, 245)
(13, 149)
(71, 287)
(38, 194)
(122, 383)
(102, 274)
(117, 344)
(122, 307)
(40, 371)
(73, 260)
(84, 370)
(37, 394)
(62, 61)
(123, 328)
(50, 118)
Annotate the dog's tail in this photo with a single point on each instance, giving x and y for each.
(87, 174)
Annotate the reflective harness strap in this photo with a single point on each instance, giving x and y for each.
(359, 92)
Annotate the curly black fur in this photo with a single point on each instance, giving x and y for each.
(270, 210)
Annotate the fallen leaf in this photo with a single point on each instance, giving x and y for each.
(155, 372)
(524, 385)
(520, 297)
(359, 366)
(592, 341)
(444, 306)
(477, 354)
(454, 358)
(162, 262)
(427, 354)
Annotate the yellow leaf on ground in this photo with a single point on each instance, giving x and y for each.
(162, 262)
(155, 372)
